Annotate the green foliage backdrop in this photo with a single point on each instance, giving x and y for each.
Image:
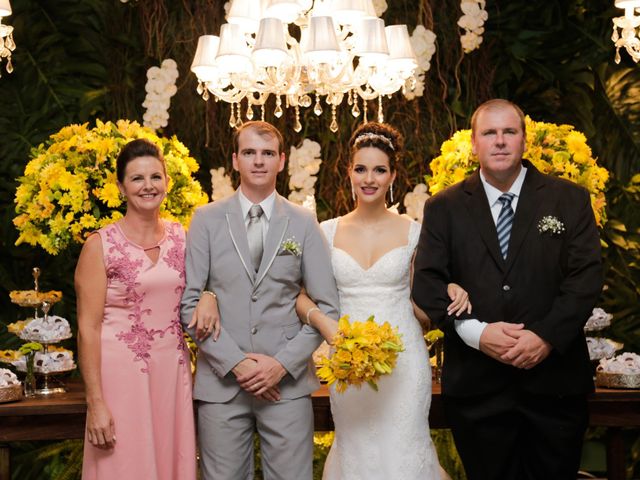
(80, 60)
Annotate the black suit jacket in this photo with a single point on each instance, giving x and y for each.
(549, 282)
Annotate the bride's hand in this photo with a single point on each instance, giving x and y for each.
(206, 317)
(459, 300)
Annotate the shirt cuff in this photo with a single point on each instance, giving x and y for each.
(469, 331)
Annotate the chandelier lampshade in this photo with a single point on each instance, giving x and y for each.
(204, 64)
(321, 44)
(247, 14)
(371, 42)
(234, 55)
(270, 49)
(5, 8)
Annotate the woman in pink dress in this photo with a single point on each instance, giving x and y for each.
(134, 361)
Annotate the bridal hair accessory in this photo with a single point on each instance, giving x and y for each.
(363, 351)
(550, 224)
(290, 245)
(373, 136)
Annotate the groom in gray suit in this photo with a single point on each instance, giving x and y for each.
(252, 253)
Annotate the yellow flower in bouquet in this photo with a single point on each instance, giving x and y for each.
(363, 352)
(68, 189)
(558, 150)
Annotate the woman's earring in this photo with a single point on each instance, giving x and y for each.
(391, 193)
(353, 193)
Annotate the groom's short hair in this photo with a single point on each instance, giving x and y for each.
(261, 128)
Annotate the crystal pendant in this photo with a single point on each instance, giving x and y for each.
(355, 110)
(297, 126)
(9, 65)
(334, 124)
(317, 108)
(200, 88)
(249, 112)
(262, 112)
(380, 110)
(205, 94)
(278, 110)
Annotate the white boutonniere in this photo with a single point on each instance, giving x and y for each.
(290, 245)
(550, 224)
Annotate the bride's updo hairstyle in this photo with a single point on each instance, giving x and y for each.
(380, 136)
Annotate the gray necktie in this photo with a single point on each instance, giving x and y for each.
(505, 221)
(254, 235)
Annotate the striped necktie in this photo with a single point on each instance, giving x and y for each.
(505, 221)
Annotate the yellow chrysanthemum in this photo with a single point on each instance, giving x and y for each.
(109, 195)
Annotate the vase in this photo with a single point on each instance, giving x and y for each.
(30, 378)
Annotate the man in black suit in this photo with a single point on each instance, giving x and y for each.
(526, 248)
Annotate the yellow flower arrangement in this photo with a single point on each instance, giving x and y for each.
(558, 150)
(363, 352)
(69, 186)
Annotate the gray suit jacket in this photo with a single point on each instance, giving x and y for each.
(257, 310)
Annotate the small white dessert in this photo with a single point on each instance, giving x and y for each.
(598, 320)
(626, 364)
(602, 348)
(50, 329)
(8, 378)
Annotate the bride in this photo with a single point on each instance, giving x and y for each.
(383, 434)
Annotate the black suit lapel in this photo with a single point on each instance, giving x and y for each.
(480, 212)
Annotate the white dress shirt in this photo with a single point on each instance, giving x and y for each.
(267, 209)
(471, 329)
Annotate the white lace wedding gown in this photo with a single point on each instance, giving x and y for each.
(385, 434)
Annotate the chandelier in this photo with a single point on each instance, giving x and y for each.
(303, 52)
(7, 45)
(628, 36)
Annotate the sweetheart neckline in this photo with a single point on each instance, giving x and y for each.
(374, 263)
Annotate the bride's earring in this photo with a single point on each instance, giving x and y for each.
(353, 193)
(391, 193)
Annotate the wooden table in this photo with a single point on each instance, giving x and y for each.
(62, 417)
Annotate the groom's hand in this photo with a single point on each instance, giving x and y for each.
(498, 338)
(267, 374)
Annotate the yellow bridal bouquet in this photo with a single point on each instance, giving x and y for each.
(363, 352)
(68, 189)
(558, 150)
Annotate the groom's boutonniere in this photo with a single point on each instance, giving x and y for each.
(550, 224)
(290, 245)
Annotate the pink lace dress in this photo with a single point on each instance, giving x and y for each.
(146, 375)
